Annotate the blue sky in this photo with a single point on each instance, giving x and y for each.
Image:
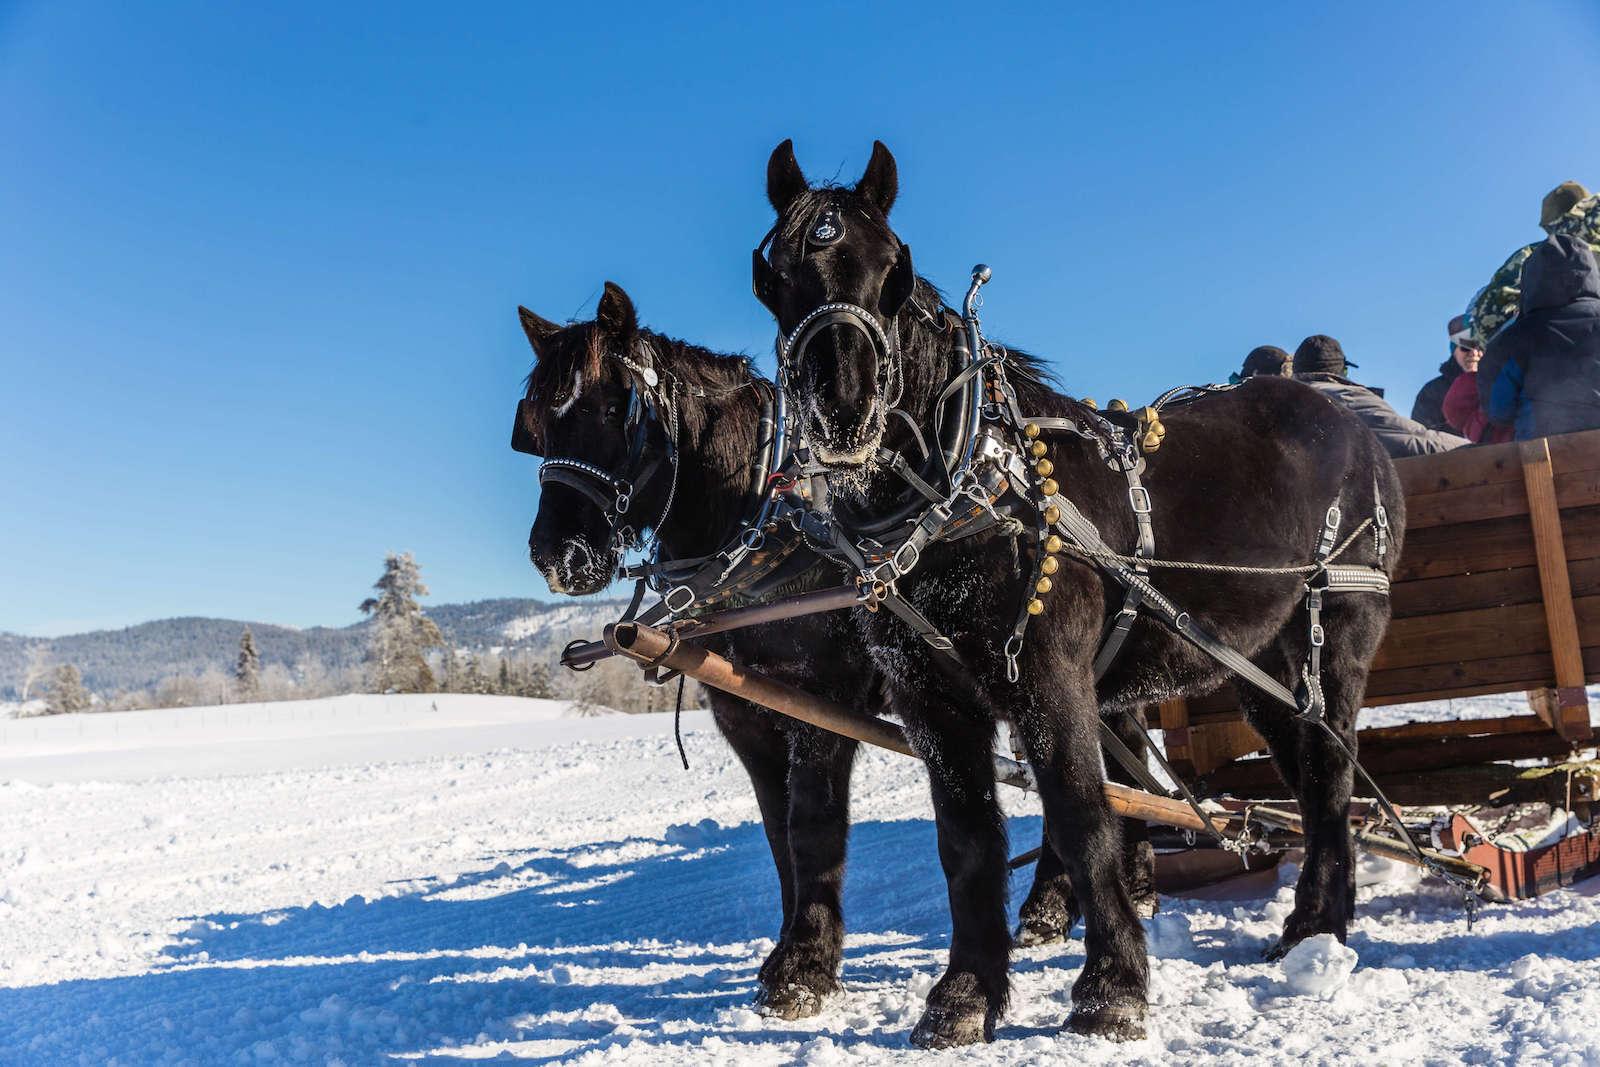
(261, 266)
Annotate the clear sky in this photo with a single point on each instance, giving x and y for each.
(259, 264)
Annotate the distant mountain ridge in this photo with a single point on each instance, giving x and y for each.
(139, 656)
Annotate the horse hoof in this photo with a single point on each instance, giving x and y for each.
(1114, 1022)
(789, 1002)
(1146, 907)
(1032, 932)
(942, 1027)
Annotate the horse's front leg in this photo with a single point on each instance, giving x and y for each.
(804, 969)
(1108, 999)
(958, 747)
(762, 748)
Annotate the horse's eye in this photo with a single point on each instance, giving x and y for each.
(614, 413)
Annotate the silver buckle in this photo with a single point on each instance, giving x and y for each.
(1331, 520)
(1317, 636)
(903, 569)
(685, 605)
(1136, 495)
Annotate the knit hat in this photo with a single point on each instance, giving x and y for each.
(1560, 200)
(1460, 334)
(1320, 354)
(1267, 359)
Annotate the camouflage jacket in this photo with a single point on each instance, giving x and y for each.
(1496, 303)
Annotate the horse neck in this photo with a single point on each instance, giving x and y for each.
(716, 438)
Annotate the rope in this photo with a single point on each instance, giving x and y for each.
(1224, 568)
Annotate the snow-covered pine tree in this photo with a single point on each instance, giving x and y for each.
(400, 632)
(503, 686)
(247, 672)
(67, 693)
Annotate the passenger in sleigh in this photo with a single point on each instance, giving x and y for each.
(1543, 369)
(1319, 362)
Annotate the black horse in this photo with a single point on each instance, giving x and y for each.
(1244, 477)
(587, 398)
(580, 397)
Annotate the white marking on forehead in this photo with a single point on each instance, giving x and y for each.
(572, 398)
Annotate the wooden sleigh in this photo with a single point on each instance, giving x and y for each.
(1498, 591)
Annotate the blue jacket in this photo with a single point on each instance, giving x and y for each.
(1546, 362)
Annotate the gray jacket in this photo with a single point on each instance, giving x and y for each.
(1399, 435)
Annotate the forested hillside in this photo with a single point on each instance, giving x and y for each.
(139, 656)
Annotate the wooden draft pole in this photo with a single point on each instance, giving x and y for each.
(652, 647)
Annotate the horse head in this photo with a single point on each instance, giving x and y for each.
(589, 411)
(836, 279)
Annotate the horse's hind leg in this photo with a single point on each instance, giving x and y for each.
(1316, 769)
(1051, 910)
(805, 967)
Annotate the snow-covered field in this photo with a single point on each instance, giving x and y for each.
(440, 880)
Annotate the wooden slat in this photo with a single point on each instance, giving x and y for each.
(1460, 469)
(1491, 589)
(1243, 776)
(1212, 746)
(1565, 646)
(1484, 633)
(1497, 674)
(1466, 468)
(1429, 731)
(1498, 500)
(1490, 545)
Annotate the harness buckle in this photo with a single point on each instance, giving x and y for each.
(683, 605)
(1139, 499)
(913, 557)
(1317, 635)
(1331, 519)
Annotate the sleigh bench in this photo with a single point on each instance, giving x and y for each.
(1498, 591)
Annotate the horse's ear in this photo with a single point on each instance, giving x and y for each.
(881, 182)
(898, 287)
(785, 182)
(615, 314)
(538, 330)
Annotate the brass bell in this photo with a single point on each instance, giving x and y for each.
(1031, 430)
(1118, 404)
(1052, 543)
(1090, 404)
(1038, 448)
(1044, 467)
(1042, 585)
(1049, 565)
(1152, 441)
(1049, 487)
(1148, 416)
(1052, 515)
(1159, 427)
(1035, 606)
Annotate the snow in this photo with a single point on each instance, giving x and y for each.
(368, 880)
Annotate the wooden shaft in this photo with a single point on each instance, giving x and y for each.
(1376, 844)
(791, 607)
(648, 645)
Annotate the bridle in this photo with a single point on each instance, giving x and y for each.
(827, 228)
(613, 491)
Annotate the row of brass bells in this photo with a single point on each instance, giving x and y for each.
(1048, 486)
(1154, 431)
